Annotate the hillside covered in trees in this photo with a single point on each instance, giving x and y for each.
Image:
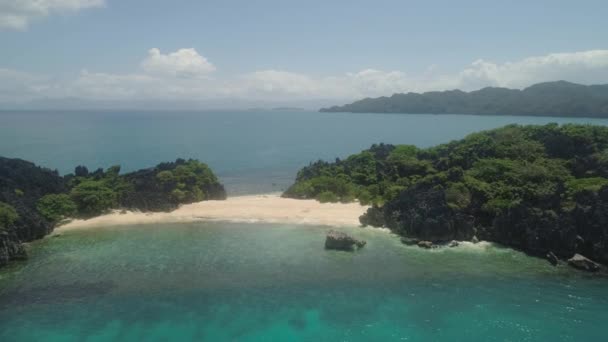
(33, 199)
(544, 99)
(539, 189)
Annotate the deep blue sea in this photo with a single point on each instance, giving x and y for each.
(270, 282)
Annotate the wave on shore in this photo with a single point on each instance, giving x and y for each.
(270, 208)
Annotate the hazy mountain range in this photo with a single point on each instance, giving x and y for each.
(558, 98)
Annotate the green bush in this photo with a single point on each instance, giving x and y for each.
(8, 215)
(55, 207)
(458, 196)
(326, 197)
(575, 186)
(93, 197)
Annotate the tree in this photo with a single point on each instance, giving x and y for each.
(93, 197)
(8, 215)
(55, 207)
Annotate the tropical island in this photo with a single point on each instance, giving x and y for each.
(539, 189)
(560, 98)
(33, 200)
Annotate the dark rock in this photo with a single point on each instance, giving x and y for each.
(10, 249)
(341, 241)
(409, 241)
(425, 244)
(582, 263)
(453, 243)
(553, 259)
(474, 239)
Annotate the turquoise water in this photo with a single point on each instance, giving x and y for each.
(253, 282)
(261, 282)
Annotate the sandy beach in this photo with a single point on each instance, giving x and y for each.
(270, 208)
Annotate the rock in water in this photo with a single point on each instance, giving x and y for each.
(341, 241)
(453, 243)
(409, 241)
(425, 244)
(553, 259)
(582, 263)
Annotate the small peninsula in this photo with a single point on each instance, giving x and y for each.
(539, 189)
(560, 98)
(33, 199)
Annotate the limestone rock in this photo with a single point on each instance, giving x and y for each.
(342, 241)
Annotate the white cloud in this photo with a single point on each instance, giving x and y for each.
(185, 63)
(17, 14)
(183, 75)
(584, 67)
(21, 86)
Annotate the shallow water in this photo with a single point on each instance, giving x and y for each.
(249, 282)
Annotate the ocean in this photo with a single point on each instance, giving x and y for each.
(223, 281)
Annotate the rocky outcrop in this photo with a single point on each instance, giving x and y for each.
(409, 241)
(425, 244)
(422, 214)
(453, 243)
(23, 184)
(582, 263)
(10, 249)
(552, 258)
(342, 241)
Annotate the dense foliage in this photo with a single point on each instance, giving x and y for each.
(551, 98)
(538, 188)
(8, 216)
(33, 199)
(55, 207)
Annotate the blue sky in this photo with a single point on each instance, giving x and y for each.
(292, 49)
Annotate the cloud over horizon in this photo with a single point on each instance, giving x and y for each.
(17, 14)
(186, 63)
(184, 75)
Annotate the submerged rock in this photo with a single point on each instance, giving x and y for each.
(553, 259)
(425, 244)
(409, 241)
(453, 243)
(342, 241)
(583, 263)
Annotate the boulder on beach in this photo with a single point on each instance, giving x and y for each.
(342, 241)
(582, 263)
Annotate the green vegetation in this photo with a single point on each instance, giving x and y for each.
(550, 98)
(506, 165)
(33, 199)
(8, 215)
(160, 188)
(55, 207)
(532, 187)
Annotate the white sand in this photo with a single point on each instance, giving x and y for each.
(270, 208)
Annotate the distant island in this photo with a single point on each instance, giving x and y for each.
(288, 109)
(34, 199)
(558, 98)
(540, 189)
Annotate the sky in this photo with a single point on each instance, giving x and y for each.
(218, 53)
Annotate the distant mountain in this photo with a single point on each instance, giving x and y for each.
(559, 98)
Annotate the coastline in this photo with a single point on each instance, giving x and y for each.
(268, 208)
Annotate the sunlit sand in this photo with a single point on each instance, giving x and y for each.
(270, 208)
